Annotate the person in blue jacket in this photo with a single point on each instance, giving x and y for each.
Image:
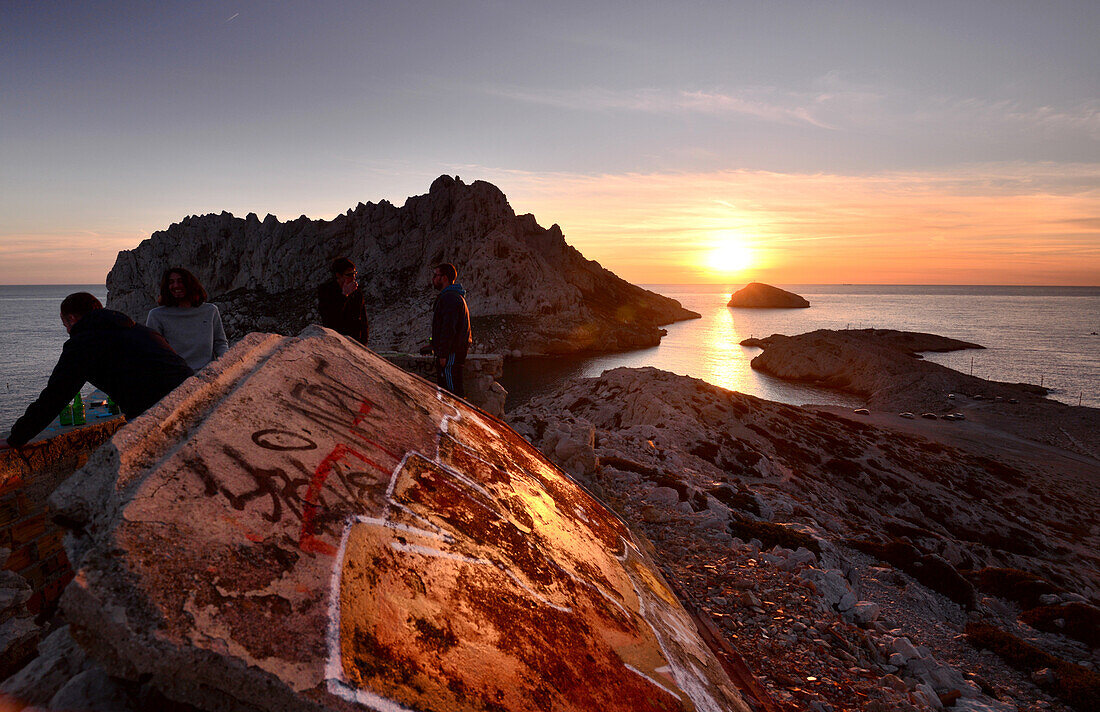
(450, 328)
(131, 363)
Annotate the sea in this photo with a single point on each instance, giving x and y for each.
(1042, 335)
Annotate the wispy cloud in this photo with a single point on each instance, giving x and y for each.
(839, 105)
(755, 103)
(847, 103)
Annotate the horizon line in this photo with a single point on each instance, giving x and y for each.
(714, 284)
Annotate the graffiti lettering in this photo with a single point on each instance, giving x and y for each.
(273, 482)
(307, 539)
(350, 480)
(274, 439)
(319, 500)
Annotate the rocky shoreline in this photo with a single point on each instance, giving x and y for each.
(884, 367)
(842, 561)
(856, 565)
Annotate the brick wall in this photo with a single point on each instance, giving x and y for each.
(27, 479)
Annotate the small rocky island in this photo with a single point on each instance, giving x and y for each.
(757, 295)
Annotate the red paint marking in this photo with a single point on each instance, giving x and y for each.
(376, 444)
(308, 540)
(365, 407)
(245, 531)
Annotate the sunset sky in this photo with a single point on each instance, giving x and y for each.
(789, 142)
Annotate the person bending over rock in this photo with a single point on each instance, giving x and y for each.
(191, 325)
(450, 329)
(131, 363)
(340, 302)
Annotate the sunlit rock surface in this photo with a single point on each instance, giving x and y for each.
(904, 529)
(305, 526)
(879, 364)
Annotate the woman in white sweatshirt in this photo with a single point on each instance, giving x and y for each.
(191, 325)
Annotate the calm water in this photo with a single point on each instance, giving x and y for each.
(1031, 334)
(31, 337)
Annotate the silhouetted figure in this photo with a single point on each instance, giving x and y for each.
(192, 325)
(340, 302)
(131, 363)
(450, 329)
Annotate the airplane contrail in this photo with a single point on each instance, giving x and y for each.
(230, 18)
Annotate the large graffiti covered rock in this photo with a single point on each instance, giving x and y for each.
(305, 526)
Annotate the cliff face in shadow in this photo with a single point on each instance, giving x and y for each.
(528, 290)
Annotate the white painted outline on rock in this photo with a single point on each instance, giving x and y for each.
(690, 682)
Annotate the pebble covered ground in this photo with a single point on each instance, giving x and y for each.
(805, 652)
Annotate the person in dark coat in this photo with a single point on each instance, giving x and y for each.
(450, 328)
(131, 363)
(340, 302)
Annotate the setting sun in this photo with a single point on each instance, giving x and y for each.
(729, 257)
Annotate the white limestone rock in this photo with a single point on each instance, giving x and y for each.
(527, 289)
(665, 496)
(377, 522)
(865, 612)
(832, 586)
(904, 647)
(93, 691)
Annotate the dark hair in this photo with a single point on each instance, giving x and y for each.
(79, 304)
(195, 293)
(341, 265)
(448, 270)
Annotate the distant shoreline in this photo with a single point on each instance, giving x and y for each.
(720, 286)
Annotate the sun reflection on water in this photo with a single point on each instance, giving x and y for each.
(1030, 336)
(710, 349)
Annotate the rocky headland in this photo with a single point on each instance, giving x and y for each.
(527, 289)
(884, 367)
(757, 295)
(855, 565)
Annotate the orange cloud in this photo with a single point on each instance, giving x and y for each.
(990, 224)
(998, 224)
(79, 257)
